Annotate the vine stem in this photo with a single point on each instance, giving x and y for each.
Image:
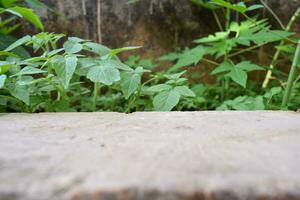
(278, 51)
(96, 89)
(291, 78)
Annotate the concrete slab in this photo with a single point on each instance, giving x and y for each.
(150, 156)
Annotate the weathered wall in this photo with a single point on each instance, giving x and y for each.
(157, 25)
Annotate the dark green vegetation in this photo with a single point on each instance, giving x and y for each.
(51, 72)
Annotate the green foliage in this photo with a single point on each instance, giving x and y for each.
(70, 74)
(225, 50)
(169, 94)
(237, 73)
(244, 103)
(62, 77)
(238, 7)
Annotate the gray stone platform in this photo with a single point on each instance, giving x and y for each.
(150, 156)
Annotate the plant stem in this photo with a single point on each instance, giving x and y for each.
(130, 103)
(58, 95)
(297, 79)
(96, 89)
(273, 13)
(217, 20)
(148, 81)
(245, 50)
(278, 51)
(291, 78)
(210, 61)
(228, 14)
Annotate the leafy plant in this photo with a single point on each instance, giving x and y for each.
(67, 79)
(81, 75)
(227, 48)
(169, 93)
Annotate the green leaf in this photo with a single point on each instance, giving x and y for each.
(11, 12)
(189, 57)
(255, 7)
(169, 57)
(132, 60)
(29, 71)
(274, 91)
(96, 48)
(244, 103)
(104, 73)
(8, 3)
(166, 100)
(84, 65)
(204, 3)
(61, 106)
(55, 52)
(6, 40)
(239, 7)
(237, 73)
(25, 80)
(5, 53)
(21, 93)
(64, 68)
(147, 64)
(263, 36)
(159, 88)
(114, 52)
(116, 64)
(130, 83)
(184, 91)
(213, 38)
(5, 66)
(248, 66)
(224, 67)
(2, 80)
(249, 103)
(289, 49)
(239, 76)
(222, 47)
(175, 76)
(72, 47)
(18, 43)
(71, 64)
(29, 15)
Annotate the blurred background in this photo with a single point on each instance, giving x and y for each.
(160, 26)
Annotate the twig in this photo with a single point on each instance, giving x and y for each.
(273, 13)
(99, 31)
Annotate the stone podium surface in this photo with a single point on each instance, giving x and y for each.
(150, 156)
